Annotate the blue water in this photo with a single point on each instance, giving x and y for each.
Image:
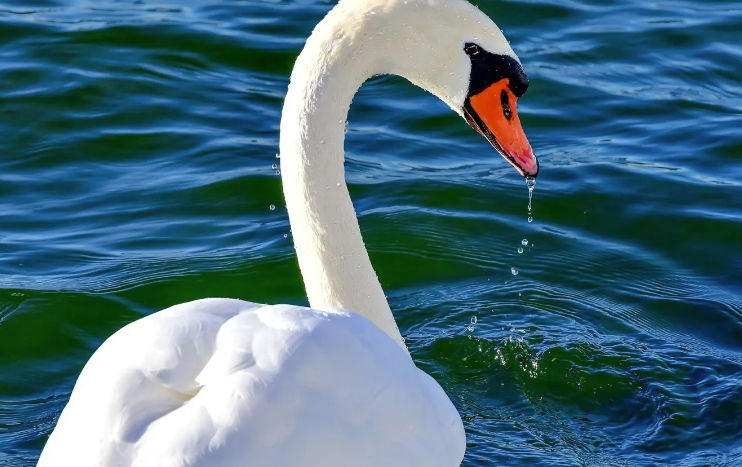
(137, 140)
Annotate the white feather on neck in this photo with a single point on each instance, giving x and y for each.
(419, 40)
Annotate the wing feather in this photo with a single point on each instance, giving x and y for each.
(227, 383)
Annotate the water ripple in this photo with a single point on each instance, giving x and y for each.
(138, 141)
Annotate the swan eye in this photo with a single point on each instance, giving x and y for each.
(506, 105)
(472, 49)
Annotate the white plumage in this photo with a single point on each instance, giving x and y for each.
(220, 382)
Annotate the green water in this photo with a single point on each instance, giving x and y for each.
(136, 145)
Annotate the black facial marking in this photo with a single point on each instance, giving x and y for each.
(488, 68)
(505, 104)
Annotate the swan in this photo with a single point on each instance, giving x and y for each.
(221, 382)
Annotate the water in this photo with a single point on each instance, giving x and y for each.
(531, 184)
(137, 142)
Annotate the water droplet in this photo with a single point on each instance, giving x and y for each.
(514, 271)
(285, 235)
(321, 141)
(278, 156)
(470, 328)
(273, 208)
(338, 184)
(274, 166)
(473, 320)
(524, 242)
(530, 183)
(520, 250)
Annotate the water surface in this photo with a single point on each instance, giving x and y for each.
(137, 141)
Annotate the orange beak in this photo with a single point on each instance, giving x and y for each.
(494, 114)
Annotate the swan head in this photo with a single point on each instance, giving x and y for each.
(456, 52)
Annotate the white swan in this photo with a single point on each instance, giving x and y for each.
(220, 382)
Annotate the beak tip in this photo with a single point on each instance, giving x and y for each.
(530, 169)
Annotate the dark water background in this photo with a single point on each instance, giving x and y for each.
(136, 145)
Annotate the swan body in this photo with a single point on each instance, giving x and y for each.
(221, 382)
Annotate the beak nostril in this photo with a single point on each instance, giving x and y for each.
(505, 101)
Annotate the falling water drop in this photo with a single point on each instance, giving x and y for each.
(278, 156)
(274, 166)
(278, 172)
(474, 320)
(514, 271)
(530, 183)
(273, 208)
(524, 242)
(520, 250)
(286, 235)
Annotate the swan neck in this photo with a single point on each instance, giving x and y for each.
(334, 263)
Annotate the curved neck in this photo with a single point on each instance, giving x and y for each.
(333, 260)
